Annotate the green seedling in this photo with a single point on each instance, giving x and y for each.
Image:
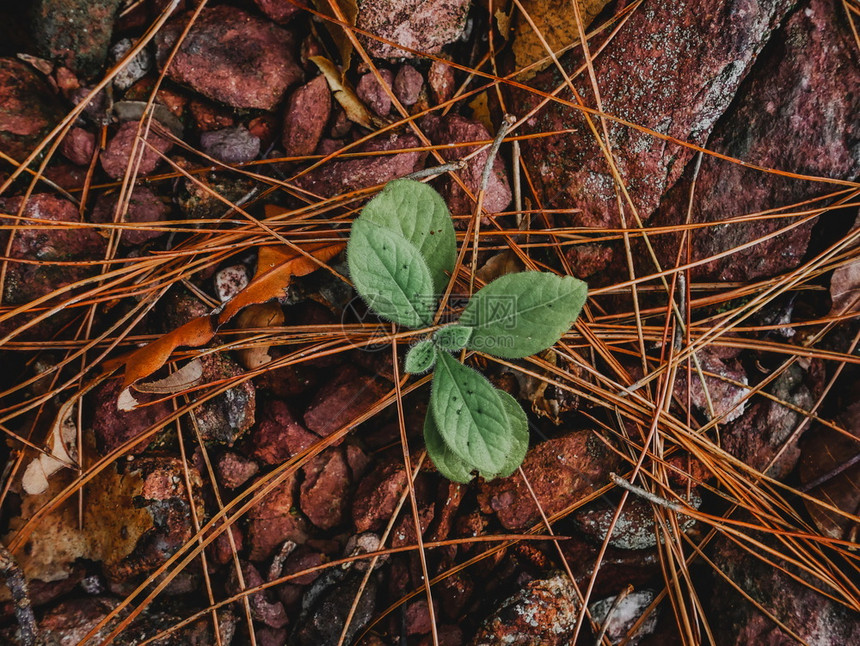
(401, 253)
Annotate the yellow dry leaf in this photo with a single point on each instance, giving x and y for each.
(338, 34)
(556, 22)
(343, 93)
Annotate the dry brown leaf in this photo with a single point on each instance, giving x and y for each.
(144, 361)
(557, 25)
(504, 262)
(337, 32)
(186, 377)
(63, 434)
(826, 456)
(258, 316)
(276, 268)
(343, 93)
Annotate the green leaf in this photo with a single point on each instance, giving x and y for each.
(470, 415)
(420, 215)
(519, 429)
(420, 357)
(448, 464)
(390, 274)
(452, 337)
(518, 315)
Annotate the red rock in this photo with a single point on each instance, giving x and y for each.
(208, 116)
(420, 25)
(377, 496)
(263, 128)
(342, 400)
(307, 113)
(171, 98)
(279, 435)
(441, 80)
(634, 529)
(814, 618)
(75, 32)
(448, 636)
(116, 157)
(543, 612)
(757, 436)
(408, 85)
(272, 521)
(28, 108)
(25, 282)
(230, 145)
(271, 613)
(340, 128)
(67, 176)
(221, 551)
(164, 495)
(795, 114)
(454, 129)
(324, 493)
(674, 68)
(352, 174)
(372, 94)
(417, 618)
(232, 57)
(78, 146)
(725, 397)
(143, 206)
(357, 460)
(281, 11)
(234, 470)
(404, 530)
(561, 471)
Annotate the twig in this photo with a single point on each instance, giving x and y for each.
(11, 571)
(647, 495)
(459, 164)
(616, 602)
(507, 123)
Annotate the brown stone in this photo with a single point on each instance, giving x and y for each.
(143, 206)
(307, 113)
(232, 57)
(797, 113)
(25, 282)
(674, 68)
(272, 521)
(337, 177)
(420, 25)
(377, 496)
(372, 93)
(279, 435)
(78, 146)
(342, 400)
(454, 129)
(115, 159)
(324, 493)
(28, 108)
(560, 471)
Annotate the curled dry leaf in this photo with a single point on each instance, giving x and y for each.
(557, 25)
(343, 93)
(830, 472)
(258, 316)
(63, 434)
(337, 32)
(276, 267)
